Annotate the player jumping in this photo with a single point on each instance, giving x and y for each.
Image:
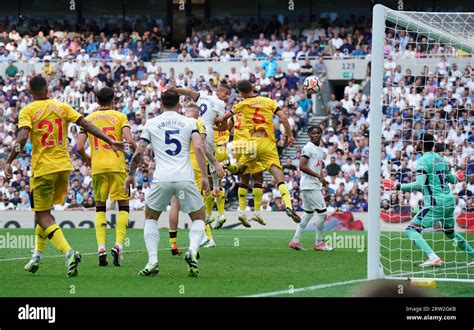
(257, 117)
(312, 182)
(46, 121)
(240, 147)
(108, 172)
(432, 176)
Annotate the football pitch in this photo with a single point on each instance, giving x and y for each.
(244, 263)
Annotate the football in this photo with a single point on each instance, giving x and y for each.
(312, 85)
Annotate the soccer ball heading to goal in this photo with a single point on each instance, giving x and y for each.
(312, 85)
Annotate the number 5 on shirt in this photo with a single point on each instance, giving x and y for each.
(170, 140)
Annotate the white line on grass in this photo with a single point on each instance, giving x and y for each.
(308, 288)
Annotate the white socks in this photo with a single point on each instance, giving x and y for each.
(433, 256)
(196, 234)
(302, 226)
(319, 227)
(152, 237)
(304, 222)
(36, 255)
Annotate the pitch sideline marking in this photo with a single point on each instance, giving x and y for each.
(308, 288)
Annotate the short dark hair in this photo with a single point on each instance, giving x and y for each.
(223, 85)
(170, 98)
(37, 83)
(312, 128)
(105, 96)
(244, 86)
(428, 141)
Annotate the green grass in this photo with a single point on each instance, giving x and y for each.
(245, 262)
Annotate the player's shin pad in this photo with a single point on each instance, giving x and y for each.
(221, 203)
(40, 239)
(56, 236)
(100, 227)
(242, 193)
(257, 197)
(418, 240)
(121, 226)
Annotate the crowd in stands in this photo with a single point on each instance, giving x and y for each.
(31, 41)
(77, 65)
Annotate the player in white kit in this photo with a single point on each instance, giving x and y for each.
(210, 107)
(312, 183)
(170, 135)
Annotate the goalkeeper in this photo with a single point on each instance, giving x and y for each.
(432, 177)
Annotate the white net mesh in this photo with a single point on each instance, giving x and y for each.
(428, 87)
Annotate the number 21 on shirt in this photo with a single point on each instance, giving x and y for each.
(49, 125)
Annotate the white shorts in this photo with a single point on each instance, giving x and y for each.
(313, 200)
(186, 193)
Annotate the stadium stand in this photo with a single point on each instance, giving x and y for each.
(77, 64)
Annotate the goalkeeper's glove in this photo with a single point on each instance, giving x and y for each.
(390, 185)
(460, 175)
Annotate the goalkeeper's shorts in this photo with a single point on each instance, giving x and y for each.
(428, 216)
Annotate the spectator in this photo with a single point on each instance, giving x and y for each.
(333, 169)
(74, 205)
(11, 69)
(6, 205)
(269, 66)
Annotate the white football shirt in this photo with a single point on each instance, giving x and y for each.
(170, 137)
(315, 163)
(210, 107)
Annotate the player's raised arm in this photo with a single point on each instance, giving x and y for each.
(17, 148)
(136, 161)
(94, 130)
(286, 125)
(454, 178)
(421, 173)
(81, 147)
(201, 158)
(222, 119)
(224, 126)
(185, 91)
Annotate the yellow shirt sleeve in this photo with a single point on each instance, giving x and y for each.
(72, 115)
(125, 122)
(274, 105)
(24, 119)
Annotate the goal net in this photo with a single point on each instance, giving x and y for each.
(422, 81)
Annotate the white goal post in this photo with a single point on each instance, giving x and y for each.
(454, 31)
